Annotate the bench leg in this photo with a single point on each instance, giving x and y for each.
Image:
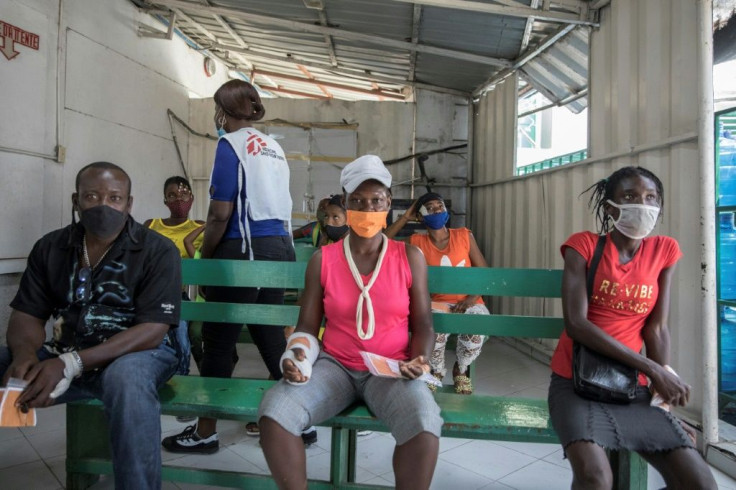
(86, 437)
(352, 454)
(339, 457)
(79, 481)
(629, 470)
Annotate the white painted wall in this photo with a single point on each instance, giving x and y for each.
(114, 88)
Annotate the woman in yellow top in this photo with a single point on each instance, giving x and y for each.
(184, 232)
(187, 236)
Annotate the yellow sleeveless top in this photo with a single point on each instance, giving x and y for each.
(177, 233)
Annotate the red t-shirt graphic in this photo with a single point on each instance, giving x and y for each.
(623, 295)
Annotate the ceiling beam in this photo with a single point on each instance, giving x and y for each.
(309, 75)
(196, 25)
(332, 31)
(282, 90)
(443, 90)
(338, 86)
(225, 25)
(236, 37)
(328, 39)
(528, 29)
(599, 4)
(415, 24)
(506, 9)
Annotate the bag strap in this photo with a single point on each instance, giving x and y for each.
(594, 264)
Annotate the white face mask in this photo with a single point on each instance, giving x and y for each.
(635, 221)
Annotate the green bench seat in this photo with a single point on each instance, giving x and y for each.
(474, 417)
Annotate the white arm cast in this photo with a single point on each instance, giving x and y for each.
(309, 345)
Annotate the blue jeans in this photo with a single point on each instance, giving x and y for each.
(185, 347)
(128, 388)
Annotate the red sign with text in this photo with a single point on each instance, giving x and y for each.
(11, 35)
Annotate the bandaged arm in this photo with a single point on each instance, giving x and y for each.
(302, 349)
(73, 368)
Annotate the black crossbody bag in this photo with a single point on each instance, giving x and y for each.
(595, 376)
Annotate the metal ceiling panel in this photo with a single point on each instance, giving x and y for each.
(486, 34)
(449, 73)
(561, 71)
(367, 44)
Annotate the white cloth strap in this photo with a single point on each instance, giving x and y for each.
(365, 295)
(307, 343)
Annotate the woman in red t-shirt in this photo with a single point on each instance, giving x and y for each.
(626, 310)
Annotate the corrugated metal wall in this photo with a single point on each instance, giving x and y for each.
(643, 93)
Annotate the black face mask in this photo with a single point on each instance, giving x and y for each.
(334, 233)
(102, 221)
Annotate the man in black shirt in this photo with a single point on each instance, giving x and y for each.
(113, 289)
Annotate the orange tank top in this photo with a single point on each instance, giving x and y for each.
(456, 254)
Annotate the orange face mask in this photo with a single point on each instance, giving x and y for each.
(367, 224)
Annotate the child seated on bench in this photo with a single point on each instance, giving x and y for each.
(387, 280)
(453, 247)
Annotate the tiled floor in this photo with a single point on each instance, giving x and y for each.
(33, 458)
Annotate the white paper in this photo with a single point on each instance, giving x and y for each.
(657, 400)
(389, 368)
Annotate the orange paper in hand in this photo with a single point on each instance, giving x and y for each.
(10, 414)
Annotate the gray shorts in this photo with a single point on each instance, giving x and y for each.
(407, 407)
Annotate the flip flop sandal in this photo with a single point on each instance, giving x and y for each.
(463, 385)
(251, 429)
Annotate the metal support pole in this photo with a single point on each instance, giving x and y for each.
(706, 153)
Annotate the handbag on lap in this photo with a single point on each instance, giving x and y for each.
(595, 376)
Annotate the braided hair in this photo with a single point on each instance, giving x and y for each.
(603, 190)
(179, 181)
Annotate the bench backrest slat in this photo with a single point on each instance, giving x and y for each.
(498, 325)
(486, 281)
(279, 315)
(494, 281)
(452, 280)
(243, 273)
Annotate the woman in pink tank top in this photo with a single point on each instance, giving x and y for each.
(373, 293)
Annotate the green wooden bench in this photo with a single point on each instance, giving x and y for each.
(475, 417)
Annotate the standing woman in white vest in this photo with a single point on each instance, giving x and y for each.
(249, 218)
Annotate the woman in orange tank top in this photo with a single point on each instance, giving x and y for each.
(451, 247)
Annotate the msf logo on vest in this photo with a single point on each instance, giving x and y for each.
(254, 145)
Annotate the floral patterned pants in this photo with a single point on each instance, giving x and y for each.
(468, 346)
